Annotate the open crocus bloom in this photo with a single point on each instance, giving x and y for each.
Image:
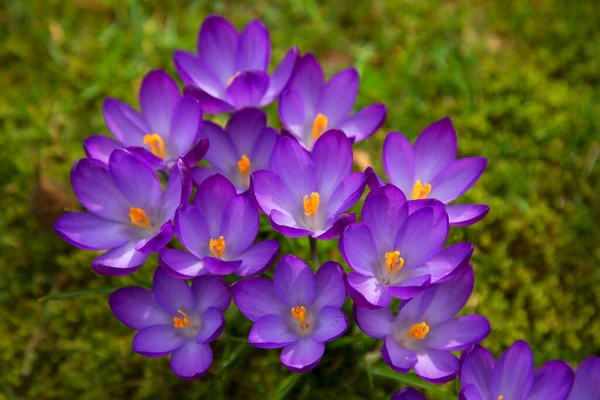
(218, 231)
(425, 332)
(309, 106)
(408, 393)
(230, 71)
(166, 129)
(305, 194)
(244, 146)
(394, 254)
(587, 380)
(430, 170)
(513, 376)
(129, 213)
(175, 319)
(298, 311)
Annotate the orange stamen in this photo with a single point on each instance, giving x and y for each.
(319, 126)
(393, 262)
(311, 206)
(299, 313)
(179, 322)
(418, 331)
(157, 146)
(420, 191)
(244, 166)
(230, 81)
(139, 217)
(217, 247)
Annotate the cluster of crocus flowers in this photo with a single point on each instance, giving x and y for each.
(138, 190)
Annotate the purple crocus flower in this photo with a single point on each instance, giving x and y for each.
(408, 393)
(244, 146)
(513, 376)
(425, 332)
(218, 231)
(394, 254)
(230, 71)
(309, 106)
(298, 311)
(430, 170)
(587, 380)
(305, 194)
(166, 129)
(130, 214)
(175, 319)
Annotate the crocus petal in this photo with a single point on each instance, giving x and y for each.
(217, 266)
(437, 366)
(434, 149)
(263, 148)
(408, 393)
(376, 323)
(137, 308)
(294, 282)
(477, 369)
(244, 128)
(270, 192)
(330, 286)
(194, 71)
(470, 392)
(292, 114)
(409, 288)
(364, 123)
(258, 257)
(192, 230)
(211, 199)
(171, 293)
(221, 153)
(89, 232)
(187, 119)
(332, 160)
(239, 225)
(302, 355)
(177, 191)
(99, 147)
(399, 162)
(157, 241)
(280, 77)
(370, 288)
(358, 249)
(513, 375)
(159, 96)
(254, 48)
(211, 105)
(346, 194)
(587, 380)
(399, 358)
(308, 80)
(466, 214)
(338, 96)
(384, 212)
(441, 266)
(287, 225)
(119, 261)
(271, 332)
(552, 381)
(294, 167)
(217, 44)
(210, 291)
(256, 297)
(247, 89)
(334, 231)
(181, 264)
(124, 122)
(196, 153)
(191, 360)
(373, 180)
(332, 324)
(199, 174)
(213, 323)
(457, 178)
(157, 340)
(458, 334)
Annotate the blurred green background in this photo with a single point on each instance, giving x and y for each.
(520, 80)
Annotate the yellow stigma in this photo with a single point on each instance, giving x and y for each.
(217, 247)
(420, 191)
(311, 205)
(139, 217)
(156, 144)
(230, 81)
(244, 166)
(299, 313)
(500, 397)
(319, 126)
(418, 331)
(393, 262)
(179, 322)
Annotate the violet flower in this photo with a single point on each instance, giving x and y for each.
(425, 332)
(430, 170)
(587, 380)
(408, 393)
(166, 129)
(175, 319)
(218, 231)
(244, 146)
(130, 214)
(306, 194)
(298, 311)
(230, 71)
(309, 106)
(394, 254)
(513, 376)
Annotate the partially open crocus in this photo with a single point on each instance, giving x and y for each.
(430, 170)
(394, 254)
(298, 311)
(230, 71)
(130, 214)
(218, 232)
(587, 380)
(408, 393)
(244, 146)
(165, 130)
(175, 319)
(513, 376)
(307, 193)
(310, 107)
(426, 331)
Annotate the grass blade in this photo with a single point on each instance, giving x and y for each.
(78, 293)
(412, 380)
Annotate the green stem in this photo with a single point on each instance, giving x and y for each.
(314, 253)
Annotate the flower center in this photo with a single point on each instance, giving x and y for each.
(420, 191)
(157, 146)
(217, 247)
(319, 126)
(311, 205)
(393, 262)
(500, 397)
(244, 166)
(139, 217)
(299, 313)
(419, 331)
(179, 322)
(230, 81)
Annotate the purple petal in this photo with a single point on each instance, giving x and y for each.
(156, 242)
(256, 297)
(287, 225)
(136, 308)
(384, 212)
(239, 225)
(194, 71)
(217, 44)
(587, 380)
(437, 366)
(330, 286)
(373, 180)
(86, 231)
(247, 89)
(211, 200)
(199, 174)
(457, 178)
(409, 288)
(244, 128)
(292, 114)
(192, 230)
(211, 105)
(552, 381)
(332, 324)
(258, 257)
(280, 77)
(254, 48)
(213, 323)
(210, 291)
(270, 192)
(159, 96)
(191, 360)
(434, 149)
(221, 152)
(177, 191)
(302, 355)
(294, 282)
(332, 160)
(358, 249)
(263, 148)
(441, 266)
(187, 119)
(338, 97)
(99, 147)
(477, 370)
(399, 358)
(364, 123)
(171, 293)
(399, 162)
(335, 230)
(408, 393)
(458, 334)
(308, 80)
(181, 264)
(373, 292)
(119, 261)
(124, 122)
(271, 332)
(513, 375)
(346, 194)
(470, 393)
(217, 266)
(466, 214)
(157, 340)
(295, 168)
(376, 323)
